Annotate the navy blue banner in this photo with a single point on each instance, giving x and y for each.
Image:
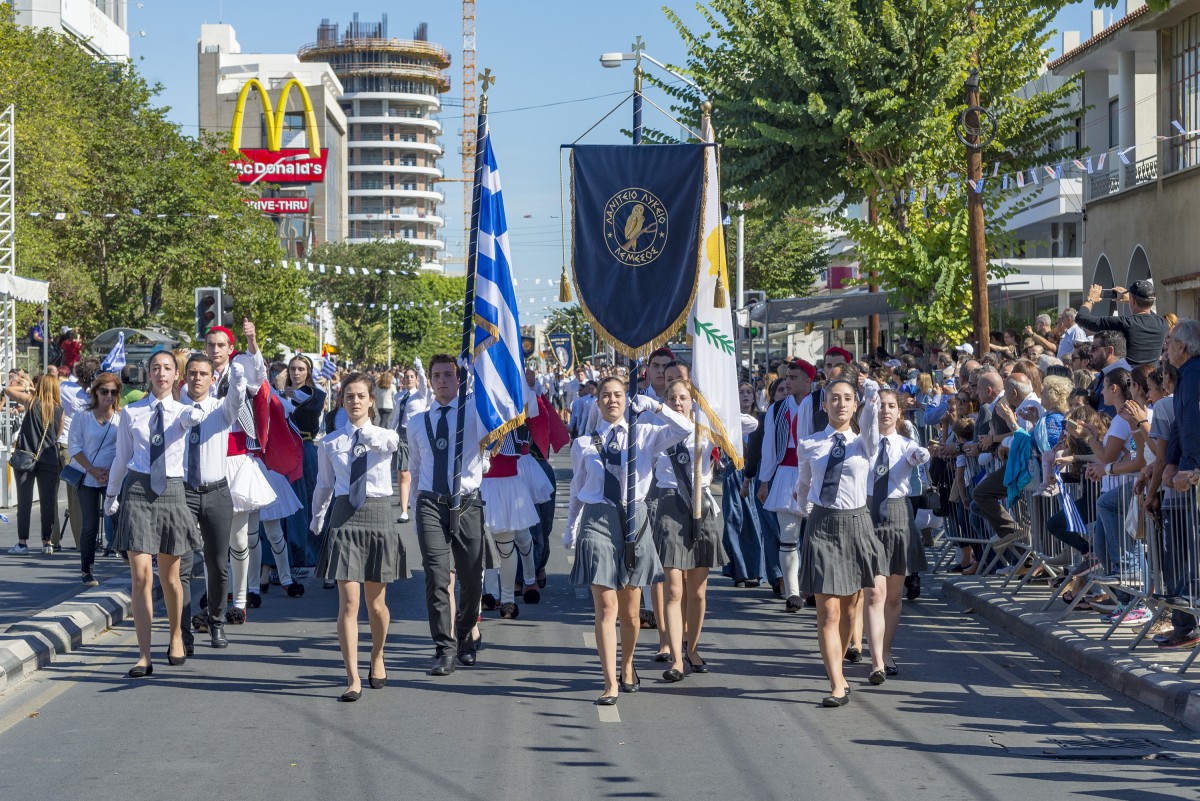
(636, 237)
(563, 345)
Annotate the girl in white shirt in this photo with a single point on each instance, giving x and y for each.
(361, 544)
(841, 552)
(92, 446)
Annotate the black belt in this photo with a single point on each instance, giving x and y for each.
(211, 486)
(445, 500)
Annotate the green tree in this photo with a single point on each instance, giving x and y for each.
(147, 213)
(825, 103)
(784, 254)
(426, 307)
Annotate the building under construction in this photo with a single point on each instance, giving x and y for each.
(392, 95)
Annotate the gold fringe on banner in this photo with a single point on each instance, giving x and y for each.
(642, 351)
(494, 440)
(716, 430)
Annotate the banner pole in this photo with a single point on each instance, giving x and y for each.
(634, 363)
(464, 358)
(697, 500)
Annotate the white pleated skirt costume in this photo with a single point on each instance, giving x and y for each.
(781, 494)
(286, 502)
(248, 483)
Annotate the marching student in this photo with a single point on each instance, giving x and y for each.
(842, 555)
(361, 544)
(449, 539)
(146, 483)
(206, 489)
(895, 527)
(307, 403)
(786, 425)
(688, 548)
(613, 568)
(414, 397)
(248, 485)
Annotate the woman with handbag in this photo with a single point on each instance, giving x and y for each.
(35, 462)
(91, 447)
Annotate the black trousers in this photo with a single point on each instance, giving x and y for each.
(91, 505)
(45, 477)
(214, 513)
(443, 550)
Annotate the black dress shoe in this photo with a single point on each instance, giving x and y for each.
(541, 579)
(376, 684)
(190, 648)
(877, 677)
(531, 595)
(350, 695)
(664, 656)
(696, 667)
(630, 688)
(295, 590)
(443, 665)
(912, 585)
(176, 660)
(216, 633)
(833, 701)
(140, 671)
(253, 600)
(606, 700)
(466, 657)
(892, 669)
(853, 655)
(672, 675)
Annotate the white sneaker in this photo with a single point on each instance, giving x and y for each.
(48, 549)
(19, 549)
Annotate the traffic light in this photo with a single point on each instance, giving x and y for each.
(208, 304)
(213, 307)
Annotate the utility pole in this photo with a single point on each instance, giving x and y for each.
(977, 246)
(872, 282)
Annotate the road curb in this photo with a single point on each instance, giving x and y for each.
(29, 645)
(1163, 692)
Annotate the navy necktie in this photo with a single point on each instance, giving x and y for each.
(193, 460)
(879, 490)
(158, 452)
(358, 472)
(441, 454)
(833, 471)
(612, 468)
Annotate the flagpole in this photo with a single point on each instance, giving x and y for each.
(634, 364)
(469, 302)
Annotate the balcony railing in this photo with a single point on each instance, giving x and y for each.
(1141, 172)
(1104, 184)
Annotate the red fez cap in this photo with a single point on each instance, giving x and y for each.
(223, 330)
(805, 367)
(663, 351)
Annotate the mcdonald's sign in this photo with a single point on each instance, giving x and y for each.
(277, 164)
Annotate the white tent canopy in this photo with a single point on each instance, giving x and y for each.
(26, 290)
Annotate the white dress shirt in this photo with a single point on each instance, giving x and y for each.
(74, 399)
(411, 402)
(654, 435)
(335, 457)
(420, 449)
(903, 455)
(1073, 335)
(213, 431)
(133, 438)
(664, 469)
(96, 441)
(861, 451)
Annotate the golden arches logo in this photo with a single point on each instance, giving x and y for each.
(275, 120)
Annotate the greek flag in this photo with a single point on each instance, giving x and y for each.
(328, 369)
(497, 364)
(114, 362)
(1075, 522)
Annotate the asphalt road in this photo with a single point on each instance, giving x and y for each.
(261, 720)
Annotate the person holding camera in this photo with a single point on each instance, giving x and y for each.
(1144, 330)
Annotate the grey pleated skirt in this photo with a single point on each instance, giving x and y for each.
(150, 524)
(841, 553)
(679, 544)
(600, 550)
(362, 544)
(400, 457)
(904, 552)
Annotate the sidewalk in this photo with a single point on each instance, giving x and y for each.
(1148, 674)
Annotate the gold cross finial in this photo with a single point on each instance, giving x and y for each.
(487, 79)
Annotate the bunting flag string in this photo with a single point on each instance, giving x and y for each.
(1038, 174)
(411, 305)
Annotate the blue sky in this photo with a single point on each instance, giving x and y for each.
(542, 52)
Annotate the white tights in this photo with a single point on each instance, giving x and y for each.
(245, 558)
(509, 543)
(279, 548)
(789, 552)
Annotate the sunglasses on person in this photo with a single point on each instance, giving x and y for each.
(105, 391)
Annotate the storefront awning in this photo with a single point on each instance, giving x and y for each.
(26, 290)
(823, 308)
